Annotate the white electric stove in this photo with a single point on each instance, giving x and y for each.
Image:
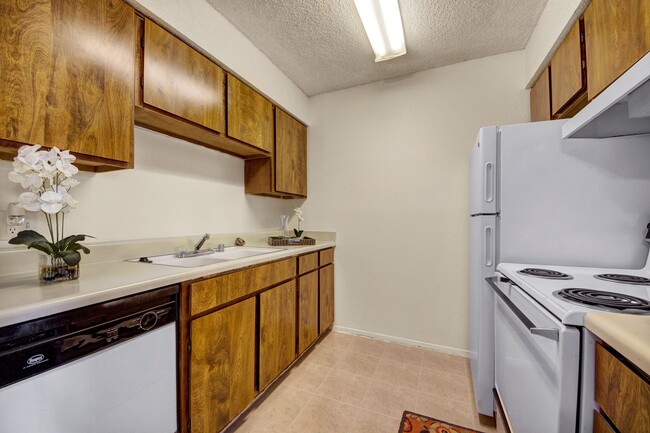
(544, 358)
(570, 292)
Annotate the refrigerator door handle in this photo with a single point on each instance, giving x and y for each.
(489, 182)
(488, 256)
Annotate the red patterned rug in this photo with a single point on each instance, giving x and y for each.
(412, 422)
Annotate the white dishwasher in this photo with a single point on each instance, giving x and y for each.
(106, 368)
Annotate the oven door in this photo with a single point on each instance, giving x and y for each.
(536, 363)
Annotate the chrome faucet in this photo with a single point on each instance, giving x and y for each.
(201, 242)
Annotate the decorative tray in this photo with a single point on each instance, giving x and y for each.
(280, 241)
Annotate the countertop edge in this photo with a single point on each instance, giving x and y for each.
(626, 333)
(168, 276)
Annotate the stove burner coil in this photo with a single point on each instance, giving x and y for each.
(606, 300)
(545, 273)
(625, 279)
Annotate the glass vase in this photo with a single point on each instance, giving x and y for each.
(284, 226)
(54, 269)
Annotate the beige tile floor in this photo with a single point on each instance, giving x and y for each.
(350, 384)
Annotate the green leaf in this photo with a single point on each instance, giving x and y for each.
(77, 247)
(32, 239)
(27, 237)
(71, 258)
(66, 242)
(297, 232)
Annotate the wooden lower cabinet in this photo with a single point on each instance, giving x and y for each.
(277, 331)
(326, 276)
(307, 310)
(222, 366)
(621, 393)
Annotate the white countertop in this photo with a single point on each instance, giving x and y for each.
(23, 298)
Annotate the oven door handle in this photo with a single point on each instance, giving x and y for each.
(552, 333)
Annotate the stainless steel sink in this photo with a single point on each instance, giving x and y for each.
(229, 253)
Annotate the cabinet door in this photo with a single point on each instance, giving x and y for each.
(290, 155)
(277, 331)
(181, 81)
(68, 76)
(250, 115)
(326, 297)
(307, 310)
(222, 366)
(617, 34)
(568, 77)
(540, 98)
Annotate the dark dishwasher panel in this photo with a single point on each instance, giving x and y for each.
(35, 346)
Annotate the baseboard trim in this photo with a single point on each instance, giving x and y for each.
(404, 341)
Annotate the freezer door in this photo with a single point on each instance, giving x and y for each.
(574, 202)
(483, 173)
(483, 259)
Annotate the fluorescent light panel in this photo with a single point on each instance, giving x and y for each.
(383, 24)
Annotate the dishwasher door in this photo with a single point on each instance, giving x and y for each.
(126, 388)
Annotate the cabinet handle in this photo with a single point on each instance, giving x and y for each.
(552, 333)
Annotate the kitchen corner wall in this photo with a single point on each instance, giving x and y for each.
(388, 171)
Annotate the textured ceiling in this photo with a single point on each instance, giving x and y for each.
(321, 45)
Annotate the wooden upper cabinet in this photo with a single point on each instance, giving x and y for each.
(250, 115)
(67, 78)
(540, 98)
(617, 34)
(290, 155)
(568, 75)
(181, 81)
(284, 174)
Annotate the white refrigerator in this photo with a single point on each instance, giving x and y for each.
(537, 198)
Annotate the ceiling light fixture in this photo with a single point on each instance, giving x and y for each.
(383, 24)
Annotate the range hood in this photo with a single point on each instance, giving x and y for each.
(621, 109)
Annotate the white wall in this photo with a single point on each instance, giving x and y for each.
(207, 28)
(388, 170)
(554, 24)
(176, 189)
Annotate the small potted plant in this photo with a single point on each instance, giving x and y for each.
(48, 177)
(298, 212)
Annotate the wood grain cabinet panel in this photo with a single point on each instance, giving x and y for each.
(307, 262)
(213, 292)
(68, 77)
(277, 331)
(326, 276)
(568, 77)
(290, 155)
(326, 256)
(540, 98)
(222, 366)
(284, 173)
(617, 35)
(181, 81)
(601, 425)
(307, 310)
(250, 115)
(621, 393)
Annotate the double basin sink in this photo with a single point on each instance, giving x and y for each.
(229, 253)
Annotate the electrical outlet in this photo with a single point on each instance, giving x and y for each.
(13, 230)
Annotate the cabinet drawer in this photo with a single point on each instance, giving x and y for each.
(326, 256)
(307, 263)
(213, 292)
(621, 393)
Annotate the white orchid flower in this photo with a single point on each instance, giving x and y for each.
(69, 183)
(52, 202)
(66, 168)
(298, 213)
(29, 201)
(66, 156)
